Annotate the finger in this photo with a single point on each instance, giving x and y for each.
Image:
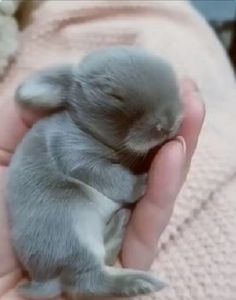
(152, 213)
(194, 114)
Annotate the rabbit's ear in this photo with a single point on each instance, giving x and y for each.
(47, 89)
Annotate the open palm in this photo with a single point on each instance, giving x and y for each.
(151, 215)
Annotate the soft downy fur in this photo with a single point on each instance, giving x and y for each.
(71, 176)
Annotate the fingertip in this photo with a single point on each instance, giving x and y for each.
(188, 85)
(181, 139)
(172, 149)
(202, 111)
(167, 171)
(195, 110)
(192, 97)
(194, 115)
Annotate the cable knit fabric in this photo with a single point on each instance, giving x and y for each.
(8, 33)
(197, 252)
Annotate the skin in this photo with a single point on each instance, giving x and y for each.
(152, 213)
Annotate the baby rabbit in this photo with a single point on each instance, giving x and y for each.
(72, 174)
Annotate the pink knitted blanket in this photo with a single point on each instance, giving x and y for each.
(197, 252)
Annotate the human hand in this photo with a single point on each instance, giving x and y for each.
(167, 174)
(151, 215)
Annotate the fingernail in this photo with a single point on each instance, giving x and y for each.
(194, 85)
(190, 84)
(181, 140)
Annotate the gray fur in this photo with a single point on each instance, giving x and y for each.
(114, 233)
(68, 177)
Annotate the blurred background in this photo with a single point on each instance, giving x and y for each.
(221, 14)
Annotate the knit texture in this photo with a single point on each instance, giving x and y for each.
(197, 252)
